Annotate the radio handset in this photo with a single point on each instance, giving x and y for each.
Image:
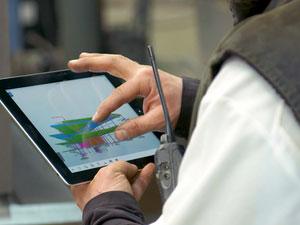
(169, 155)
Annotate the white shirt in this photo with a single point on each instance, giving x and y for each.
(242, 165)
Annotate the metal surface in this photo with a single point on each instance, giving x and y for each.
(5, 143)
(131, 40)
(79, 27)
(4, 38)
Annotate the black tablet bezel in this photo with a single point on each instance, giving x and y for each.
(34, 135)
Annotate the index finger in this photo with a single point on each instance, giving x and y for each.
(117, 65)
(122, 94)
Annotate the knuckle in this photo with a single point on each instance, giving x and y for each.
(103, 173)
(121, 163)
(120, 57)
(107, 63)
(114, 59)
(98, 175)
(84, 60)
(145, 71)
(82, 54)
(86, 63)
(117, 166)
(143, 183)
(118, 91)
(135, 126)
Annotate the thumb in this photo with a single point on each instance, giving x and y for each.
(123, 167)
(142, 181)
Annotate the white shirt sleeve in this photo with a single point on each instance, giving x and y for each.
(242, 165)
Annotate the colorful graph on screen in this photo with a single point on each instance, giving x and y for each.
(80, 136)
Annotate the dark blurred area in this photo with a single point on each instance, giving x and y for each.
(46, 33)
(42, 35)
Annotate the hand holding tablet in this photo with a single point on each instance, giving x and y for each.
(108, 179)
(55, 111)
(139, 82)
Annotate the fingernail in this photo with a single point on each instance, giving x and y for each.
(83, 53)
(73, 61)
(95, 116)
(121, 134)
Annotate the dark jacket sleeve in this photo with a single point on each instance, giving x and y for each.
(189, 92)
(112, 208)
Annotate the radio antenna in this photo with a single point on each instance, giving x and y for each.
(169, 128)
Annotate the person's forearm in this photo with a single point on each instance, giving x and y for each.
(113, 208)
(189, 92)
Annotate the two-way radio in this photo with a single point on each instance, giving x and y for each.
(169, 155)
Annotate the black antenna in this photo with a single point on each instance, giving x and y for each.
(169, 128)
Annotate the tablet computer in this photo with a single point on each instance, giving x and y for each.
(55, 111)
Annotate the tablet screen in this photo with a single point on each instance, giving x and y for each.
(62, 113)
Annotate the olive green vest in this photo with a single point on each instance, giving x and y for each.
(270, 43)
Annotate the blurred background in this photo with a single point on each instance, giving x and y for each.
(42, 35)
